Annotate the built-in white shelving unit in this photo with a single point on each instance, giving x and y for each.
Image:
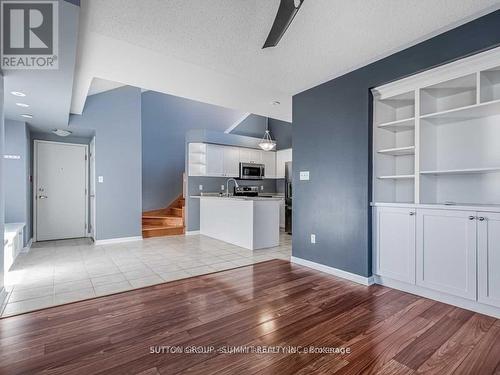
(436, 135)
(436, 183)
(394, 146)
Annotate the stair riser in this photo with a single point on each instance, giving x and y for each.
(148, 233)
(176, 211)
(167, 221)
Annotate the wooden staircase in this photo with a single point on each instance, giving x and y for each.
(164, 222)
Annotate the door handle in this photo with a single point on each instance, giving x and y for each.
(481, 218)
(42, 197)
(471, 217)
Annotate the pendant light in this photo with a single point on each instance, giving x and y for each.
(267, 143)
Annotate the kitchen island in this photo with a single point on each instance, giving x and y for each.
(249, 222)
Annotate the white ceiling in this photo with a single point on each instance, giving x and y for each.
(211, 50)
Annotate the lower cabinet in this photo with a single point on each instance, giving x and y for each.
(488, 224)
(394, 239)
(446, 251)
(451, 251)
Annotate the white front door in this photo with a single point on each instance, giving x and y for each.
(60, 190)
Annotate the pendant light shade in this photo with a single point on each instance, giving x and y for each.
(267, 143)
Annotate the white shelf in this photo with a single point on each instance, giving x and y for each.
(399, 125)
(461, 171)
(451, 94)
(397, 177)
(464, 113)
(398, 151)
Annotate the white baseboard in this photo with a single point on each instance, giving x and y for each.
(192, 232)
(333, 271)
(117, 240)
(439, 296)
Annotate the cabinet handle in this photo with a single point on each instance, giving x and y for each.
(481, 218)
(412, 213)
(471, 217)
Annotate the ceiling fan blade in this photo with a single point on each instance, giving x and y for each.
(286, 13)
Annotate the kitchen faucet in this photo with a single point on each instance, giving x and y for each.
(227, 185)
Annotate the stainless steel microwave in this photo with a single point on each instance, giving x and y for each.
(251, 171)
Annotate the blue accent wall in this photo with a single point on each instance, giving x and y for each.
(116, 118)
(332, 139)
(255, 126)
(17, 185)
(165, 121)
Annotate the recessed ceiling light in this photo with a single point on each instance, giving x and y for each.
(275, 102)
(25, 115)
(24, 105)
(61, 132)
(18, 93)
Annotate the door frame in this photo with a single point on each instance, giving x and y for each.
(36, 142)
(92, 233)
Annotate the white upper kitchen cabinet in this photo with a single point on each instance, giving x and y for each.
(489, 258)
(446, 251)
(394, 240)
(231, 161)
(215, 160)
(250, 155)
(269, 161)
(282, 156)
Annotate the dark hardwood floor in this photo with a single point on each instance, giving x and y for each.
(270, 304)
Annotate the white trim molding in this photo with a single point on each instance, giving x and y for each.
(192, 232)
(334, 271)
(460, 68)
(117, 240)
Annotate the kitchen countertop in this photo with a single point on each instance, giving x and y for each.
(268, 197)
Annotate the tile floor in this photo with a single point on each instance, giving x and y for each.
(59, 272)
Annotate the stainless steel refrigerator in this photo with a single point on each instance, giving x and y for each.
(288, 197)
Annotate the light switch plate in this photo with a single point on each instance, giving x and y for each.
(200, 187)
(262, 188)
(304, 175)
(100, 179)
(313, 238)
(222, 187)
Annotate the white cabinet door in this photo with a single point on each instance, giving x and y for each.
(269, 161)
(250, 155)
(489, 258)
(395, 243)
(231, 161)
(215, 160)
(282, 156)
(446, 251)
